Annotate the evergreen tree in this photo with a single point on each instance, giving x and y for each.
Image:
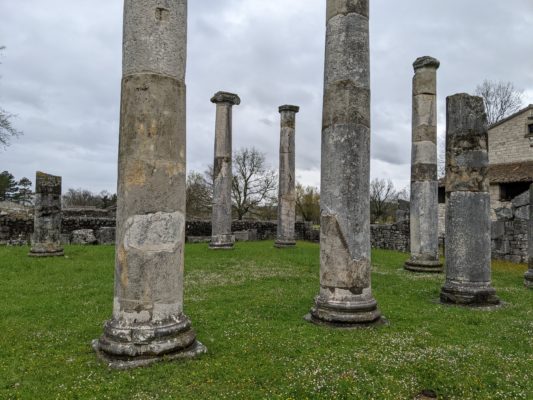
(8, 187)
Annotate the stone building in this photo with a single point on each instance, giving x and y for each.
(510, 160)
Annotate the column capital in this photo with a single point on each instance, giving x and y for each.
(290, 108)
(426, 62)
(226, 97)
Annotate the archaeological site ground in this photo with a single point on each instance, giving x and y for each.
(247, 306)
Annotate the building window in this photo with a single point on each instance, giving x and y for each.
(530, 129)
(508, 191)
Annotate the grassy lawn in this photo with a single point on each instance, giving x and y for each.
(247, 307)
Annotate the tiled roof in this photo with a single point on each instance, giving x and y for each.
(507, 173)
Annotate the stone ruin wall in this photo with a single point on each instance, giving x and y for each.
(509, 232)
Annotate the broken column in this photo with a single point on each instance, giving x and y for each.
(148, 323)
(345, 298)
(46, 237)
(468, 226)
(287, 184)
(424, 207)
(221, 236)
(528, 278)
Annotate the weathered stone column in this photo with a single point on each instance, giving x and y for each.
(345, 297)
(148, 321)
(221, 237)
(424, 208)
(287, 174)
(46, 237)
(468, 243)
(528, 278)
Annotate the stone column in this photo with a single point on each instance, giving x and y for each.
(148, 322)
(424, 208)
(221, 237)
(287, 173)
(528, 278)
(46, 237)
(468, 226)
(345, 297)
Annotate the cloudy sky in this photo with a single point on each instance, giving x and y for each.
(62, 67)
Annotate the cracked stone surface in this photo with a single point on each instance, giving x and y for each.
(46, 237)
(345, 298)
(468, 226)
(148, 323)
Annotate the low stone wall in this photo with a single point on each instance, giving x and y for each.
(509, 232)
(18, 226)
(391, 236)
(266, 230)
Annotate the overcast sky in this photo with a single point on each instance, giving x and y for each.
(61, 75)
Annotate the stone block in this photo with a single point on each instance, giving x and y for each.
(106, 235)
(84, 237)
(522, 212)
(521, 200)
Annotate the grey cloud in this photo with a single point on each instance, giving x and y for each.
(61, 75)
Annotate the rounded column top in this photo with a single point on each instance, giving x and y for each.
(426, 61)
(288, 107)
(226, 97)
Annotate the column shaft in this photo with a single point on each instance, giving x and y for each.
(287, 173)
(468, 242)
(424, 198)
(221, 236)
(345, 297)
(148, 321)
(46, 237)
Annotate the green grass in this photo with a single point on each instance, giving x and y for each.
(247, 307)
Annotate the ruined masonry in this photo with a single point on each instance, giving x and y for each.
(46, 237)
(287, 181)
(148, 323)
(528, 277)
(468, 225)
(424, 207)
(345, 298)
(221, 236)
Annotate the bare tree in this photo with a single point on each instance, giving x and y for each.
(501, 99)
(383, 198)
(7, 131)
(85, 198)
(199, 195)
(308, 203)
(254, 184)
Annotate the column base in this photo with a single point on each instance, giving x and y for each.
(469, 295)
(528, 279)
(41, 254)
(222, 242)
(192, 351)
(284, 244)
(424, 266)
(125, 347)
(345, 314)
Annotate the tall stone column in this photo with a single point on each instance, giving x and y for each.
(345, 297)
(424, 208)
(148, 322)
(287, 174)
(528, 278)
(468, 226)
(221, 237)
(46, 237)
